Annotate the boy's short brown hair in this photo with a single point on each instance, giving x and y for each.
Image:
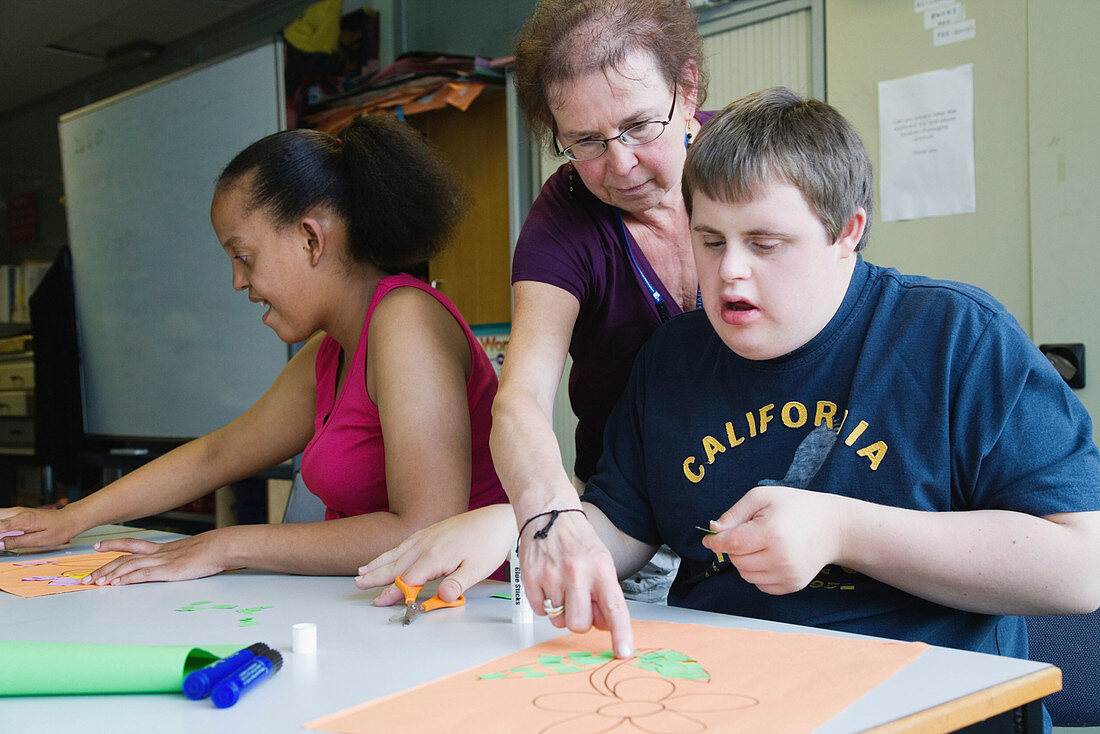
(775, 134)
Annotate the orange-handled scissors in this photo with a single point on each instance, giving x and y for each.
(413, 607)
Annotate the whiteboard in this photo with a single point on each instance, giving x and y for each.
(168, 350)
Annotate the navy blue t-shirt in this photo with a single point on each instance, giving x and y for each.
(939, 402)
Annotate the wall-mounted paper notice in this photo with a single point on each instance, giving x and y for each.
(945, 15)
(919, 6)
(955, 32)
(926, 139)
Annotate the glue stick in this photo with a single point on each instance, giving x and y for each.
(521, 610)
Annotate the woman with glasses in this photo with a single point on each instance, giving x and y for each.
(604, 256)
(603, 259)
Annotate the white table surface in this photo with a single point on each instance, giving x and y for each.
(360, 655)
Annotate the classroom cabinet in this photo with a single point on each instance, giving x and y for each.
(475, 271)
(17, 374)
(19, 476)
(16, 395)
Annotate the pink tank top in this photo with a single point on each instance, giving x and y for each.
(345, 462)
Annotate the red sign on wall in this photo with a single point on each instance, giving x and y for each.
(22, 218)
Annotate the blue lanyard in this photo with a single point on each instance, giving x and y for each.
(658, 299)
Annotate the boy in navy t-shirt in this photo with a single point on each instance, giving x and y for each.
(880, 453)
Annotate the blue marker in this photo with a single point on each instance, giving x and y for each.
(261, 667)
(198, 685)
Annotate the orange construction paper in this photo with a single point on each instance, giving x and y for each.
(425, 96)
(75, 567)
(706, 679)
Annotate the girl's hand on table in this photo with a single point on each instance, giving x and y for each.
(36, 528)
(463, 549)
(190, 558)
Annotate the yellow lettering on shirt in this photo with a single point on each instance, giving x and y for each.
(794, 415)
(731, 436)
(856, 433)
(692, 476)
(826, 411)
(713, 447)
(874, 453)
(766, 416)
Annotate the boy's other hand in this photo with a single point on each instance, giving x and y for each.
(779, 538)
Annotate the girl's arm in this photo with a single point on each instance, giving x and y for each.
(418, 364)
(274, 429)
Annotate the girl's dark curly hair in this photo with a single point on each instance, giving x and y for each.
(400, 202)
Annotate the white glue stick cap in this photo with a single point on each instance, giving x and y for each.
(304, 637)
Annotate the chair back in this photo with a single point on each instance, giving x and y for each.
(1071, 642)
(303, 505)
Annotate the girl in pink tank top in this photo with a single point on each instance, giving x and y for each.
(389, 397)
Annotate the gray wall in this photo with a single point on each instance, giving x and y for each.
(29, 153)
(1031, 242)
(472, 27)
(30, 158)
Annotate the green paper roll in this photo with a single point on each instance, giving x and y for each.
(66, 668)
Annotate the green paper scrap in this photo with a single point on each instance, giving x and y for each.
(555, 664)
(665, 663)
(671, 664)
(198, 606)
(707, 530)
(193, 606)
(573, 662)
(523, 671)
(591, 658)
(502, 595)
(65, 668)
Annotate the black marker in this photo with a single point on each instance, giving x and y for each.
(263, 666)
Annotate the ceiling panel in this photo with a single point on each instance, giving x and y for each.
(28, 71)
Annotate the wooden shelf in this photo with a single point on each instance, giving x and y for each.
(13, 328)
(475, 272)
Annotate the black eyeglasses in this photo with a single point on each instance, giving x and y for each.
(640, 134)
